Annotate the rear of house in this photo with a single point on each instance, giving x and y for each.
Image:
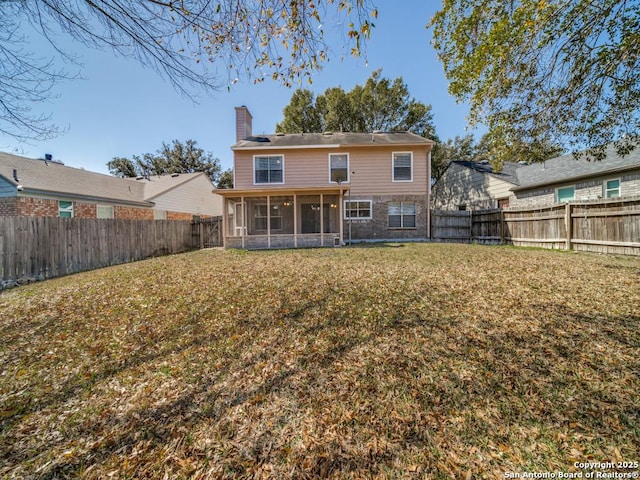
(303, 190)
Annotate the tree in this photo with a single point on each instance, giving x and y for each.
(175, 158)
(467, 149)
(225, 179)
(380, 104)
(545, 72)
(276, 39)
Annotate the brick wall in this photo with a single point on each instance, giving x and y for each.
(84, 210)
(132, 213)
(179, 216)
(378, 226)
(37, 207)
(8, 207)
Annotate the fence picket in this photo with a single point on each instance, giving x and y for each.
(36, 248)
(606, 226)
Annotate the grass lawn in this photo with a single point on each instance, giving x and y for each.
(415, 361)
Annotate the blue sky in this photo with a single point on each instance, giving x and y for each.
(120, 108)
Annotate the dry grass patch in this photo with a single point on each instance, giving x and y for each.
(424, 361)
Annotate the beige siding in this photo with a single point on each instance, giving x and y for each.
(192, 197)
(371, 167)
(460, 185)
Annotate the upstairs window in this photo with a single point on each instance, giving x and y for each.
(65, 209)
(612, 188)
(403, 167)
(269, 169)
(338, 168)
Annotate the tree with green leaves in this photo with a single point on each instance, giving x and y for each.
(225, 179)
(271, 39)
(378, 105)
(545, 72)
(177, 157)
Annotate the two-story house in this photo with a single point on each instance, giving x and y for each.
(326, 189)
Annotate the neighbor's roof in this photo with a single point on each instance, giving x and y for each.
(566, 168)
(158, 184)
(508, 172)
(40, 176)
(330, 140)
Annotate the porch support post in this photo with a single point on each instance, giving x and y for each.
(295, 220)
(269, 221)
(243, 208)
(225, 220)
(322, 220)
(341, 216)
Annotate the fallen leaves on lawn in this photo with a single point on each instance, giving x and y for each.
(426, 361)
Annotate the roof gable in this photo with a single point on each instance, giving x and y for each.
(55, 178)
(507, 174)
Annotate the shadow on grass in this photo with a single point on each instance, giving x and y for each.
(549, 377)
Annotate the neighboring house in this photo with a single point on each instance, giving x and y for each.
(564, 179)
(305, 190)
(47, 188)
(474, 186)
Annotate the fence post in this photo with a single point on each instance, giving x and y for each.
(568, 225)
(470, 226)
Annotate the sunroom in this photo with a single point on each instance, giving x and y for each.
(283, 218)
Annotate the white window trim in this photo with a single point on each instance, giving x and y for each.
(393, 164)
(348, 167)
(69, 209)
(557, 199)
(253, 173)
(370, 202)
(605, 190)
(105, 206)
(402, 227)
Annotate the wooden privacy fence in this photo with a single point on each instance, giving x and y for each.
(34, 248)
(611, 226)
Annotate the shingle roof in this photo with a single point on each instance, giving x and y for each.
(333, 139)
(566, 168)
(54, 177)
(508, 172)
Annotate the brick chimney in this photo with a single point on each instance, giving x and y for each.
(243, 123)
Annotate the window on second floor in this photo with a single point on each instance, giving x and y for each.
(402, 167)
(268, 169)
(338, 167)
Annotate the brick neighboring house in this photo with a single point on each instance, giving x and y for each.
(475, 186)
(564, 179)
(46, 188)
(313, 189)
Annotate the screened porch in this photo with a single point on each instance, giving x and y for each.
(283, 219)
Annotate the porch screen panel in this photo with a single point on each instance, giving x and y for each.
(257, 215)
(309, 209)
(331, 212)
(281, 215)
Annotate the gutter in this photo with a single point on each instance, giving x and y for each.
(63, 195)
